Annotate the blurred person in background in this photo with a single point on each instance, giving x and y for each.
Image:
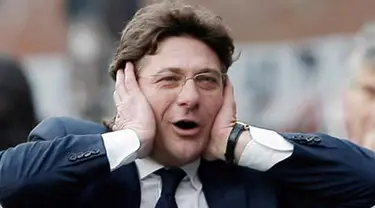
(353, 116)
(17, 114)
(361, 96)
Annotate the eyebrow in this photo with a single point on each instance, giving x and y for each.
(179, 70)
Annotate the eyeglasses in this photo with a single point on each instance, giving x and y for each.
(205, 80)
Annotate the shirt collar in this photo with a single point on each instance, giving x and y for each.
(148, 166)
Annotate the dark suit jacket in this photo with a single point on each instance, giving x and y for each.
(65, 165)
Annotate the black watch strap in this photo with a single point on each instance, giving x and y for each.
(237, 129)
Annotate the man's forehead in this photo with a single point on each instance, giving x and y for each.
(150, 65)
(184, 70)
(182, 54)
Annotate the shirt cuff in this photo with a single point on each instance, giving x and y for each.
(266, 149)
(121, 147)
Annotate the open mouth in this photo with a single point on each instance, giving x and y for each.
(186, 125)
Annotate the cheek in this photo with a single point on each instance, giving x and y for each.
(361, 104)
(159, 102)
(360, 110)
(356, 101)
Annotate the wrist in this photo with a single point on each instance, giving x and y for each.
(216, 148)
(237, 140)
(145, 147)
(243, 140)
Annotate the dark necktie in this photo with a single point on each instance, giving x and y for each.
(170, 178)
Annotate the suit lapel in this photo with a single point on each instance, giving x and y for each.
(121, 188)
(220, 185)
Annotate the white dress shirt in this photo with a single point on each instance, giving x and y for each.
(188, 194)
(266, 149)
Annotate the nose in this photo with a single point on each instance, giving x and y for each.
(189, 95)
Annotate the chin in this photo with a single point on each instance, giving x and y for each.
(181, 154)
(178, 151)
(186, 155)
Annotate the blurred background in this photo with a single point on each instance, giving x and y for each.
(291, 71)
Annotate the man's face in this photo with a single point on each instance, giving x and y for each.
(184, 111)
(361, 101)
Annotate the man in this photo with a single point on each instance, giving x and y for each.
(17, 113)
(175, 140)
(354, 115)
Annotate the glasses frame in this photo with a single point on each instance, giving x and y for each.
(222, 75)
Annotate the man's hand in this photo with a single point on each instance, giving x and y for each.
(223, 125)
(133, 109)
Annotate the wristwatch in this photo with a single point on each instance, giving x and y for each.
(235, 133)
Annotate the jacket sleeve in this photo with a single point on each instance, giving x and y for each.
(51, 164)
(329, 169)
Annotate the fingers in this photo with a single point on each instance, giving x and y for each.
(229, 94)
(126, 81)
(130, 80)
(229, 103)
(120, 84)
(116, 98)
